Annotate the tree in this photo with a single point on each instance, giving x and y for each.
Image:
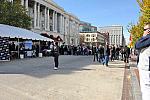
(14, 14)
(82, 38)
(145, 8)
(136, 31)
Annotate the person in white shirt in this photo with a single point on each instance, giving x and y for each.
(143, 45)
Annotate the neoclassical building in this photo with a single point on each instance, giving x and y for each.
(116, 36)
(49, 18)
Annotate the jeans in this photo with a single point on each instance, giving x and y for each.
(101, 58)
(106, 60)
(95, 56)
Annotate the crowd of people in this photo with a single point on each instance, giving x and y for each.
(102, 54)
(107, 53)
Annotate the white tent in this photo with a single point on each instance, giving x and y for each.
(15, 32)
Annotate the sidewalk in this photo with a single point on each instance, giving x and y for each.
(78, 78)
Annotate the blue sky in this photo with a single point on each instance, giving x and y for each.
(103, 12)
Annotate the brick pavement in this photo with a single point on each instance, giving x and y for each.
(131, 86)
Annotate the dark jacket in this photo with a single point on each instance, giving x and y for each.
(126, 51)
(143, 42)
(55, 50)
(106, 51)
(101, 51)
(95, 50)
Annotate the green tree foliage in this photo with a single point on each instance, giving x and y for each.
(145, 8)
(14, 14)
(136, 31)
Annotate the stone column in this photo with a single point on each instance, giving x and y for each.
(48, 28)
(26, 5)
(53, 21)
(10, 1)
(56, 22)
(22, 2)
(35, 14)
(115, 39)
(121, 42)
(38, 20)
(62, 24)
(45, 19)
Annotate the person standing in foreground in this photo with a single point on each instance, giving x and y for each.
(143, 45)
(95, 51)
(126, 55)
(106, 54)
(56, 55)
(101, 54)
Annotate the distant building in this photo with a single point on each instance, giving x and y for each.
(86, 27)
(94, 38)
(116, 36)
(90, 36)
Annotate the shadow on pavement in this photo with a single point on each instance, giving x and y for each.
(43, 67)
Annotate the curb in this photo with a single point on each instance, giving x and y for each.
(131, 86)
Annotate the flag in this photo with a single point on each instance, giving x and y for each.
(130, 38)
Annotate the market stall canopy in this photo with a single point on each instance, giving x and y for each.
(56, 39)
(15, 32)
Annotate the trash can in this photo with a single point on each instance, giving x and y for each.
(40, 55)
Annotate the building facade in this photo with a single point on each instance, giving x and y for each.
(49, 18)
(89, 35)
(86, 27)
(116, 36)
(93, 39)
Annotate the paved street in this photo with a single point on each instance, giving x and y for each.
(79, 78)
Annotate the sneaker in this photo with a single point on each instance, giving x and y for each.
(55, 68)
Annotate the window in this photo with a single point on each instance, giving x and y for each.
(93, 35)
(119, 39)
(116, 38)
(87, 35)
(51, 18)
(87, 39)
(51, 28)
(43, 25)
(93, 39)
(111, 39)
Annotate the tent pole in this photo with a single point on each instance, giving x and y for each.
(18, 47)
(39, 46)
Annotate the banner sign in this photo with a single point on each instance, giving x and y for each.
(4, 49)
(28, 45)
